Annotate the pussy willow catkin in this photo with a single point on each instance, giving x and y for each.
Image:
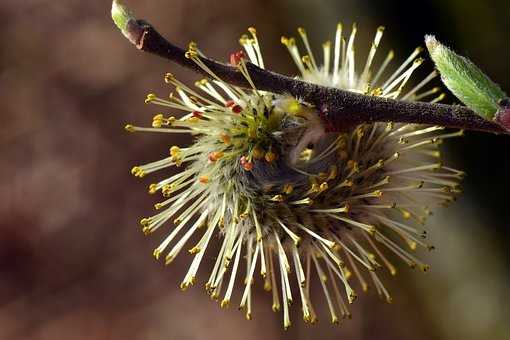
(291, 204)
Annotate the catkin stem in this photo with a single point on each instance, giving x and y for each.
(340, 110)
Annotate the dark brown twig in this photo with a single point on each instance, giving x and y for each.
(339, 109)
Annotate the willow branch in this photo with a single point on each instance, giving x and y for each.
(339, 109)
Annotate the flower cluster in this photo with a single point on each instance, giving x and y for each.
(299, 205)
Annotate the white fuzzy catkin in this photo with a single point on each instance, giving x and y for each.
(296, 204)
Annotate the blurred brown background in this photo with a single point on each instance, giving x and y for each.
(73, 262)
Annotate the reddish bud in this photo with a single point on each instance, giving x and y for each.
(246, 164)
(235, 58)
(237, 109)
(233, 106)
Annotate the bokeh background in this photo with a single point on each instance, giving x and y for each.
(73, 262)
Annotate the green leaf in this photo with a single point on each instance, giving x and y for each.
(465, 80)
